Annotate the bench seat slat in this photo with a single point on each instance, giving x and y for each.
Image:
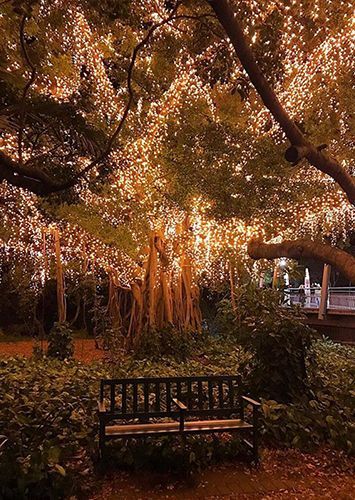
(217, 425)
(173, 427)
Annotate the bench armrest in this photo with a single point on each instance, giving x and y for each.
(3, 441)
(182, 409)
(179, 404)
(256, 405)
(251, 401)
(102, 407)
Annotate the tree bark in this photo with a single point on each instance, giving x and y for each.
(317, 158)
(18, 175)
(61, 300)
(302, 248)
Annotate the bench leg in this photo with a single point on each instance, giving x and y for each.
(183, 440)
(255, 446)
(102, 443)
(256, 435)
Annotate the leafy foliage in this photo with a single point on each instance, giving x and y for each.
(48, 415)
(18, 298)
(327, 415)
(168, 342)
(168, 454)
(276, 337)
(60, 342)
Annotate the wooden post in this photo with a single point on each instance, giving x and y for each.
(262, 280)
(322, 311)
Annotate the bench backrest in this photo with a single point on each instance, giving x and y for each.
(146, 398)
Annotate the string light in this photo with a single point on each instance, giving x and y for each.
(136, 196)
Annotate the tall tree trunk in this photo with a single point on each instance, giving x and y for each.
(61, 301)
(113, 306)
(316, 157)
(301, 248)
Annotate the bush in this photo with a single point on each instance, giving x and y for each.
(167, 454)
(47, 413)
(167, 342)
(277, 338)
(326, 416)
(60, 342)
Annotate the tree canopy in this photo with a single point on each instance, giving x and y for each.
(123, 119)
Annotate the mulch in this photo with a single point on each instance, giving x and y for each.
(282, 475)
(84, 349)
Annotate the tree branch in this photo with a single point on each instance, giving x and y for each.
(38, 182)
(302, 248)
(34, 180)
(127, 108)
(317, 158)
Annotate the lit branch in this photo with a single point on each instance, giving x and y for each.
(302, 248)
(314, 155)
(35, 180)
(27, 86)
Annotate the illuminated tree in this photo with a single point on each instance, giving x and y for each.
(133, 138)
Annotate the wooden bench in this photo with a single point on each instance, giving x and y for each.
(141, 407)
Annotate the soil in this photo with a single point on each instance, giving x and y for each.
(84, 349)
(289, 474)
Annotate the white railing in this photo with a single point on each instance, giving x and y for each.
(340, 298)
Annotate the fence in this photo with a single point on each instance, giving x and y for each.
(339, 298)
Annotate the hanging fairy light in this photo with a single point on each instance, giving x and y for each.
(135, 195)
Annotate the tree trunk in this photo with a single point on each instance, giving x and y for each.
(302, 248)
(61, 301)
(316, 157)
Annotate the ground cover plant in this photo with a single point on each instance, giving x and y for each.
(48, 415)
(143, 156)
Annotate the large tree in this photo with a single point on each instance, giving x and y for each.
(125, 117)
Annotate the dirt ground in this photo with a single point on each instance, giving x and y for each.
(281, 475)
(84, 349)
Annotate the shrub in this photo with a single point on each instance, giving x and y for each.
(60, 342)
(167, 454)
(166, 342)
(326, 416)
(277, 338)
(47, 413)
